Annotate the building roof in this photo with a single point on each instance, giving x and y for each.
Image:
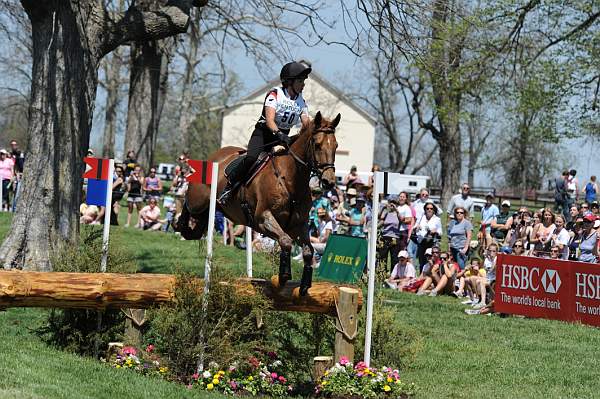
(317, 78)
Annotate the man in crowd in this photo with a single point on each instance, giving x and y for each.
(560, 192)
(572, 186)
(489, 213)
(502, 223)
(462, 200)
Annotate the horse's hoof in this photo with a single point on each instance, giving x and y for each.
(304, 290)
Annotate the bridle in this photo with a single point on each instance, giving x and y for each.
(315, 168)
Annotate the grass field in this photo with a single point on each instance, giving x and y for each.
(458, 356)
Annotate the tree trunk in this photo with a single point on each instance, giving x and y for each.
(450, 162)
(144, 85)
(112, 70)
(63, 90)
(187, 89)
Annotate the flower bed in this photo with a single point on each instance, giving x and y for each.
(142, 361)
(254, 377)
(344, 380)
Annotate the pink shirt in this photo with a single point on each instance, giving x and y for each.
(150, 214)
(6, 168)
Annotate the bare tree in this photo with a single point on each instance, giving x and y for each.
(69, 40)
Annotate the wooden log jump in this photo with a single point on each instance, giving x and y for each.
(143, 290)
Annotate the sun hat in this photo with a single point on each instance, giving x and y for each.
(506, 203)
(428, 251)
(404, 254)
(351, 191)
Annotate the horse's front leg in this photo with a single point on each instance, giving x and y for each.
(307, 255)
(269, 223)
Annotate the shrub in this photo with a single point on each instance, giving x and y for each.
(76, 330)
(230, 326)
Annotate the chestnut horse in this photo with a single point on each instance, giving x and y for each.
(277, 200)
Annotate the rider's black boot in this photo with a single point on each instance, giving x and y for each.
(232, 185)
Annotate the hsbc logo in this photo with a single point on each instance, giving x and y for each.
(529, 278)
(551, 281)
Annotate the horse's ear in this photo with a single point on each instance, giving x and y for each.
(336, 121)
(318, 119)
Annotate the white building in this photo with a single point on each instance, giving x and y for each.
(355, 133)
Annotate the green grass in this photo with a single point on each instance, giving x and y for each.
(459, 356)
(487, 356)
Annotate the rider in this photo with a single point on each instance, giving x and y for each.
(283, 108)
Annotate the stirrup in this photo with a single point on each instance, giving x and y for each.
(227, 193)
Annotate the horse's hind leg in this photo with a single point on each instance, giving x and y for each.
(269, 223)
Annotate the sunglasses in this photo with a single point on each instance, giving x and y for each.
(554, 250)
(444, 258)
(466, 188)
(518, 246)
(429, 209)
(459, 213)
(583, 207)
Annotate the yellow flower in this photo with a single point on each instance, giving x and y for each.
(250, 378)
(215, 381)
(326, 372)
(324, 383)
(387, 388)
(389, 379)
(210, 386)
(221, 372)
(118, 366)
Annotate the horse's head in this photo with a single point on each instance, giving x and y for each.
(325, 144)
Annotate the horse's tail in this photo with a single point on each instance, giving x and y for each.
(194, 230)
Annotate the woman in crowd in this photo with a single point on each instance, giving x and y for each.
(152, 185)
(374, 169)
(7, 166)
(118, 193)
(483, 285)
(595, 208)
(541, 236)
(590, 190)
(574, 212)
(427, 230)
(324, 230)
(554, 252)
(588, 246)
(460, 236)
(444, 275)
(390, 220)
(518, 248)
(134, 196)
(560, 237)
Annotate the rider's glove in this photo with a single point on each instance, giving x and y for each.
(284, 138)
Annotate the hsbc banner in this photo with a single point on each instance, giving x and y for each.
(547, 288)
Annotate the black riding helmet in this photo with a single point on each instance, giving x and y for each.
(295, 70)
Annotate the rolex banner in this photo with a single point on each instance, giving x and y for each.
(344, 259)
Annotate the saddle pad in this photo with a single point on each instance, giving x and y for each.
(261, 161)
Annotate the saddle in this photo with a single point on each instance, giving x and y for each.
(261, 162)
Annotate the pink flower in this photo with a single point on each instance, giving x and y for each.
(272, 355)
(360, 366)
(274, 375)
(150, 348)
(233, 385)
(195, 376)
(254, 362)
(282, 379)
(344, 360)
(189, 386)
(129, 350)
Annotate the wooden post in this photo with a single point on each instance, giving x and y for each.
(320, 365)
(346, 323)
(136, 318)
